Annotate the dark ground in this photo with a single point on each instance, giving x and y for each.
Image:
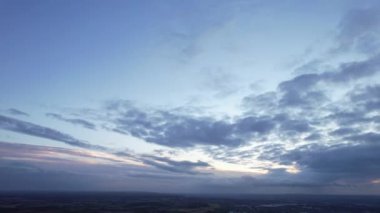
(149, 202)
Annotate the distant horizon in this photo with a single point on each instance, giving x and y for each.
(216, 195)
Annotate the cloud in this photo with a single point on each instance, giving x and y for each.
(24, 127)
(351, 71)
(369, 137)
(290, 126)
(32, 129)
(303, 90)
(339, 168)
(222, 83)
(174, 129)
(368, 97)
(313, 137)
(343, 131)
(300, 91)
(14, 111)
(27, 177)
(75, 121)
(167, 164)
(77, 160)
(359, 29)
(314, 66)
(30, 167)
(171, 129)
(251, 124)
(260, 103)
(343, 162)
(51, 154)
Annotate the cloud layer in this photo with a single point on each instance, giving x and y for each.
(318, 131)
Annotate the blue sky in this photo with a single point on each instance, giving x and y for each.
(260, 96)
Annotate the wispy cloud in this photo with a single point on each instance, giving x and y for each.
(31, 167)
(14, 111)
(75, 121)
(32, 129)
(186, 167)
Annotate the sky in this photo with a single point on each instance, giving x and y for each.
(190, 96)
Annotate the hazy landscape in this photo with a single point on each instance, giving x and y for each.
(150, 202)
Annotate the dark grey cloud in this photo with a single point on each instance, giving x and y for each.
(347, 117)
(271, 152)
(14, 111)
(368, 97)
(257, 103)
(32, 129)
(251, 125)
(369, 137)
(183, 130)
(360, 108)
(174, 129)
(303, 90)
(351, 71)
(170, 129)
(342, 167)
(75, 121)
(226, 154)
(343, 131)
(186, 167)
(300, 83)
(343, 162)
(292, 126)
